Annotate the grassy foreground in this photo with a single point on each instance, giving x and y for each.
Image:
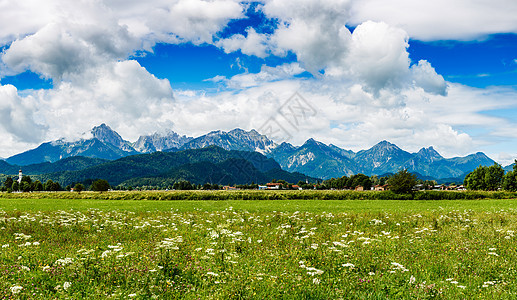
(293, 249)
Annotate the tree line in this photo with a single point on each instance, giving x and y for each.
(27, 185)
(492, 178)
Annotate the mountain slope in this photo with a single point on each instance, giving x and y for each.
(67, 164)
(105, 144)
(314, 159)
(157, 142)
(384, 157)
(172, 164)
(236, 139)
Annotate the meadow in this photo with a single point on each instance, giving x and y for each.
(86, 247)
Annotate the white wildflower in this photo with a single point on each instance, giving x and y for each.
(67, 285)
(316, 281)
(348, 265)
(15, 289)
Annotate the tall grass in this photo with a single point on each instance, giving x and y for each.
(236, 254)
(266, 195)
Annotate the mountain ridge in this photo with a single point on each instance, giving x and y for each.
(313, 158)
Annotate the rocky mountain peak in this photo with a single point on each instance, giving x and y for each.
(429, 153)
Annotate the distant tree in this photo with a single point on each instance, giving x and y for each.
(510, 179)
(27, 179)
(100, 185)
(359, 180)
(8, 182)
(475, 180)
(52, 186)
(38, 186)
(494, 177)
(25, 186)
(15, 186)
(402, 182)
(78, 187)
(485, 178)
(48, 185)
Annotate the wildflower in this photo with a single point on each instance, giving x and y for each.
(212, 274)
(398, 266)
(15, 289)
(131, 295)
(25, 268)
(493, 253)
(316, 281)
(461, 286)
(66, 285)
(314, 271)
(412, 279)
(64, 261)
(348, 265)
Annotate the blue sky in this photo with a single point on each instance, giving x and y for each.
(435, 74)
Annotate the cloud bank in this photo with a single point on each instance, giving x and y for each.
(364, 88)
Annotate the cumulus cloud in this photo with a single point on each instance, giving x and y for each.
(253, 44)
(17, 115)
(314, 30)
(440, 19)
(122, 94)
(364, 87)
(350, 117)
(266, 74)
(378, 55)
(59, 50)
(425, 76)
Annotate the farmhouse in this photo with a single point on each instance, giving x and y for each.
(381, 187)
(273, 186)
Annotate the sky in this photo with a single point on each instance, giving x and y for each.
(345, 72)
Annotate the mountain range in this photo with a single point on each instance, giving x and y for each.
(313, 158)
(211, 164)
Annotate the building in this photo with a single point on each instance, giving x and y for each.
(359, 188)
(273, 186)
(381, 187)
(297, 187)
(229, 188)
(20, 176)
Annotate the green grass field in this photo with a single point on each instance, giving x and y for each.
(257, 249)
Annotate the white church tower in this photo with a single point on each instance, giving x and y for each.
(20, 175)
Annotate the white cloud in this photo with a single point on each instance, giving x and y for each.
(378, 55)
(369, 91)
(350, 117)
(266, 74)
(18, 127)
(425, 76)
(314, 30)
(61, 50)
(253, 44)
(121, 94)
(440, 19)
